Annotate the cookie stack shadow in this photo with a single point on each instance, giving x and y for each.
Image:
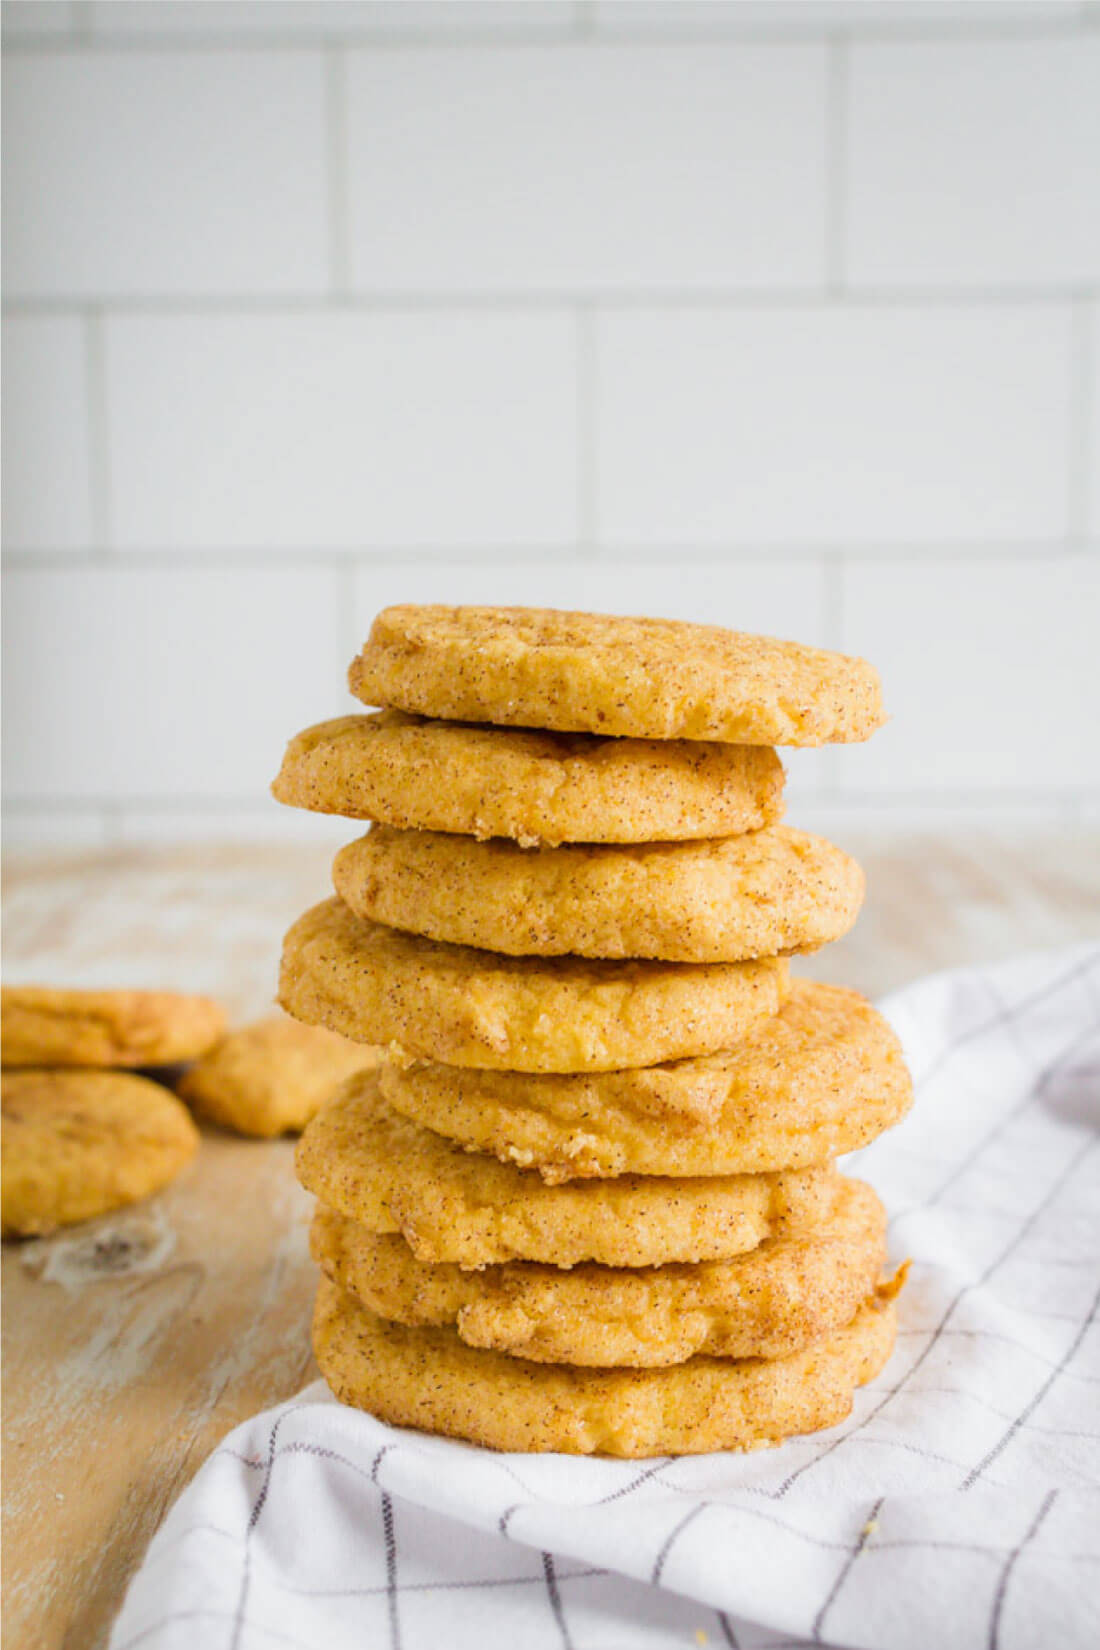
(589, 1202)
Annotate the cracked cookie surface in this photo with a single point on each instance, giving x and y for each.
(597, 673)
(822, 1077)
(793, 1288)
(531, 786)
(765, 894)
(271, 1077)
(362, 1159)
(59, 1026)
(469, 1007)
(429, 1379)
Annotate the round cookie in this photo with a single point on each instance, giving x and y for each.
(592, 673)
(80, 1143)
(768, 893)
(792, 1289)
(48, 1026)
(474, 1008)
(362, 1159)
(427, 1378)
(822, 1077)
(270, 1078)
(531, 786)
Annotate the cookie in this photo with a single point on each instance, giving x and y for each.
(474, 1008)
(822, 1077)
(272, 1077)
(533, 787)
(771, 892)
(428, 1378)
(46, 1026)
(80, 1143)
(591, 673)
(362, 1159)
(792, 1289)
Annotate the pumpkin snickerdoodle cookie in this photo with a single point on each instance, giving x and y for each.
(51, 1026)
(593, 673)
(792, 1289)
(475, 1008)
(428, 1378)
(362, 1159)
(271, 1077)
(532, 786)
(770, 892)
(80, 1143)
(822, 1077)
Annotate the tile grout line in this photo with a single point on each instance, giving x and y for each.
(346, 593)
(82, 40)
(97, 423)
(834, 572)
(111, 822)
(1082, 411)
(810, 296)
(583, 27)
(586, 458)
(747, 553)
(336, 169)
(836, 161)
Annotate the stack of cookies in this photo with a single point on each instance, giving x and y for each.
(589, 1200)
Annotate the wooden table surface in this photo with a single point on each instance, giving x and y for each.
(132, 1344)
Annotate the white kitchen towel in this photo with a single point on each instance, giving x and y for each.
(957, 1508)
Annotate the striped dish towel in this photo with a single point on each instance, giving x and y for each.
(958, 1507)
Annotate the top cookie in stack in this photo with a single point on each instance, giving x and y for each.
(571, 923)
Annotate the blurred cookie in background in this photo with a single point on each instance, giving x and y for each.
(271, 1077)
(63, 1026)
(81, 1143)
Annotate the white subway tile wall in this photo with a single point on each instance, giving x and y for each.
(1013, 651)
(785, 16)
(973, 163)
(177, 173)
(1089, 418)
(30, 19)
(832, 426)
(779, 315)
(585, 170)
(47, 499)
(342, 430)
(335, 19)
(161, 683)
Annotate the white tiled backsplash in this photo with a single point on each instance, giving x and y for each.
(785, 316)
